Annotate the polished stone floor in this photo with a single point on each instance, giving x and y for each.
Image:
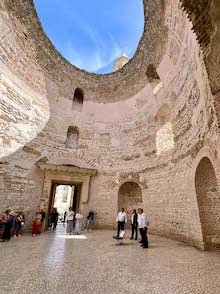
(95, 263)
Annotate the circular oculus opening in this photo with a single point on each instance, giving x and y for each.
(97, 36)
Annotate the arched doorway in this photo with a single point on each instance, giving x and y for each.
(208, 203)
(129, 197)
(78, 100)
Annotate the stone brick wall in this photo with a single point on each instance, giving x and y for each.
(208, 201)
(118, 122)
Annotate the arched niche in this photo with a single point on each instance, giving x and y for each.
(164, 135)
(152, 74)
(129, 197)
(78, 100)
(72, 139)
(154, 78)
(208, 203)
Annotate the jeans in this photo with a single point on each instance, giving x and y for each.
(69, 226)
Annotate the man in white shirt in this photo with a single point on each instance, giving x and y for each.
(142, 224)
(121, 220)
(70, 220)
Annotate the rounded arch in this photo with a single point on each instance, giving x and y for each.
(164, 114)
(72, 138)
(129, 196)
(151, 49)
(78, 99)
(208, 199)
(164, 135)
(152, 74)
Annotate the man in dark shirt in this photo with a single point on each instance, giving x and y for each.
(134, 224)
(54, 218)
(90, 220)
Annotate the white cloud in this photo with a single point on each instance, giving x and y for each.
(104, 48)
(96, 59)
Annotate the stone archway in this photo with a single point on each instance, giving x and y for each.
(208, 198)
(129, 197)
(66, 174)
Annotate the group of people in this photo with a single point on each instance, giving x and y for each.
(75, 220)
(11, 224)
(138, 220)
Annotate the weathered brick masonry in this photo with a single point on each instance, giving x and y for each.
(125, 117)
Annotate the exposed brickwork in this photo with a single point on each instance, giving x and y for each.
(117, 123)
(209, 202)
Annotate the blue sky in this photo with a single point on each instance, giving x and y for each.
(91, 34)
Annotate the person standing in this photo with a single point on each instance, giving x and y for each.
(18, 221)
(134, 224)
(54, 218)
(43, 216)
(6, 235)
(142, 224)
(90, 219)
(64, 218)
(36, 224)
(121, 220)
(1, 226)
(70, 219)
(78, 225)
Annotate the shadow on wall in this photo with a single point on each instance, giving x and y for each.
(24, 112)
(27, 116)
(78, 99)
(208, 198)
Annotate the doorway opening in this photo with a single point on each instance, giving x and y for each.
(129, 197)
(208, 198)
(63, 196)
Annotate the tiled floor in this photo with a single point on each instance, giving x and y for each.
(95, 263)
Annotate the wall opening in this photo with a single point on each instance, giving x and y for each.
(78, 99)
(129, 197)
(64, 196)
(72, 139)
(152, 73)
(208, 202)
(154, 78)
(164, 135)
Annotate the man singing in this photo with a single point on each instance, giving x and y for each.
(121, 220)
(142, 224)
(134, 224)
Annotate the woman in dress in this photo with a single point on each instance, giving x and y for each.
(36, 225)
(78, 225)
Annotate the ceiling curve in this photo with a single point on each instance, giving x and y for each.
(102, 88)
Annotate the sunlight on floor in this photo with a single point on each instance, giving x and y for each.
(77, 237)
